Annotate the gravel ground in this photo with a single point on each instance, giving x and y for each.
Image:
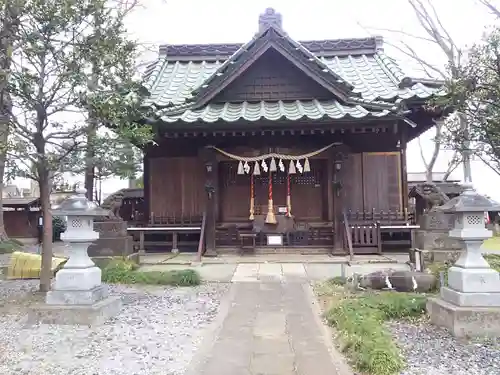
(157, 332)
(433, 351)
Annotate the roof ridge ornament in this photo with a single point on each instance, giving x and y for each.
(270, 18)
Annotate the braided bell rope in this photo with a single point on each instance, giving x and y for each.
(274, 155)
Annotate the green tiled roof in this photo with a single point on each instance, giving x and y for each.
(273, 111)
(362, 80)
(375, 77)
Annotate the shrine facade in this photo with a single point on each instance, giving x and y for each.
(282, 144)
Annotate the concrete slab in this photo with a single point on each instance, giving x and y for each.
(191, 258)
(317, 272)
(217, 272)
(280, 318)
(293, 269)
(269, 272)
(90, 315)
(245, 273)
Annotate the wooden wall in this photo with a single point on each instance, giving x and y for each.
(372, 181)
(176, 186)
(21, 224)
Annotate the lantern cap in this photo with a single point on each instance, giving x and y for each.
(470, 201)
(78, 205)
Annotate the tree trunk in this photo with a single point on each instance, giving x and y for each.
(8, 29)
(89, 160)
(46, 271)
(89, 175)
(3, 233)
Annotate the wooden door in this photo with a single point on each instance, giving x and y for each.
(382, 181)
(234, 192)
(308, 192)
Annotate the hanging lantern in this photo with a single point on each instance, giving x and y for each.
(299, 166)
(256, 169)
(240, 168)
(281, 166)
(246, 168)
(307, 167)
(272, 165)
(264, 165)
(291, 168)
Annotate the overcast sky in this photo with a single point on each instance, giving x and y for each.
(218, 21)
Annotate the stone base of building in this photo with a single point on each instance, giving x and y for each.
(90, 315)
(464, 321)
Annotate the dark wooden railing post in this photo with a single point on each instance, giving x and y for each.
(348, 236)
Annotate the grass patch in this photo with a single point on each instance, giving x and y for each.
(126, 272)
(492, 243)
(9, 246)
(359, 320)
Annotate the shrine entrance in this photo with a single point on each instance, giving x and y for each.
(306, 193)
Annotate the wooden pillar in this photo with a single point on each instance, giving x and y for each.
(330, 198)
(340, 196)
(403, 140)
(146, 181)
(210, 166)
(330, 193)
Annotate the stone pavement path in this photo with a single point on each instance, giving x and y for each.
(269, 272)
(269, 328)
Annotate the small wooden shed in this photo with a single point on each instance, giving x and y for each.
(21, 216)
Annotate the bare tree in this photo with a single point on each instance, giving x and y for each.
(434, 32)
(491, 7)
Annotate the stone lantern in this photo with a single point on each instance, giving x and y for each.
(78, 296)
(470, 304)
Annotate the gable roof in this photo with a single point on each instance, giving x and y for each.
(362, 79)
(276, 39)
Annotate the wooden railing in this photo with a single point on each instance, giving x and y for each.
(201, 244)
(166, 219)
(361, 234)
(380, 216)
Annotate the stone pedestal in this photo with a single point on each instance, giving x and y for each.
(78, 296)
(434, 237)
(113, 239)
(470, 304)
(464, 321)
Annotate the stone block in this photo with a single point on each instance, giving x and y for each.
(458, 298)
(78, 278)
(464, 321)
(474, 280)
(90, 315)
(436, 240)
(111, 228)
(112, 246)
(77, 297)
(437, 221)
